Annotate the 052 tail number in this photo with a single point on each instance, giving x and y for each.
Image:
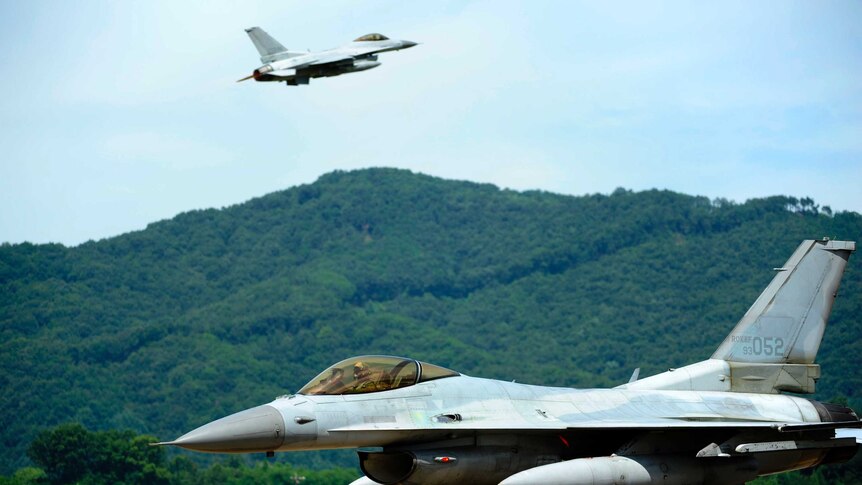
(764, 346)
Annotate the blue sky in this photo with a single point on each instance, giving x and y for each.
(118, 114)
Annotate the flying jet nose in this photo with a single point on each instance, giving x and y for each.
(258, 429)
(405, 44)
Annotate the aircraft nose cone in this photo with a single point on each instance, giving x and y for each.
(407, 44)
(257, 429)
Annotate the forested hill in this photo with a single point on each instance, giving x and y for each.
(164, 329)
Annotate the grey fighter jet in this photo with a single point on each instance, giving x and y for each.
(724, 420)
(294, 68)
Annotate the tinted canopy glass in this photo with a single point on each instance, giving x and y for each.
(371, 37)
(373, 373)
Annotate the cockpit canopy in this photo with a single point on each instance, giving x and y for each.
(371, 38)
(373, 373)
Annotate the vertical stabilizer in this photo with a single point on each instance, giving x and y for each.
(773, 347)
(270, 49)
(786, 323)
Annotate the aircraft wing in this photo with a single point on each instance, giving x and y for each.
(653, 424)
(317, 60)
(657, 424)
(766, 434)
(333, 58)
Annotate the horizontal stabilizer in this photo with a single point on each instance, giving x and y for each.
(849, 433)
(797, 427)
(773, 446)
(285, 73)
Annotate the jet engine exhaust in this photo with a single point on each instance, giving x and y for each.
(258, 73)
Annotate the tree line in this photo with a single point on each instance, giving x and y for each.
(72, 454)
(214, 311)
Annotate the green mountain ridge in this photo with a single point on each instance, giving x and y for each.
(195, 317)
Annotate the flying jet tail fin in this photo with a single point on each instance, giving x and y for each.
(270, 49)
(773, 347)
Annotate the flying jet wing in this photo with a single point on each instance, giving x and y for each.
(302, 62)
(334, 58)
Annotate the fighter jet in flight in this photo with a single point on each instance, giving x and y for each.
(724, 420)
(294, 68)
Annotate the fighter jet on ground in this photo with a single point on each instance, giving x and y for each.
(719, 421)
(294, 68)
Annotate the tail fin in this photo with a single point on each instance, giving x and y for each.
(270, 49)
(786, 323)
(773, 347)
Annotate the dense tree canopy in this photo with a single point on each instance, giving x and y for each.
(213, 311)
(71, 454)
